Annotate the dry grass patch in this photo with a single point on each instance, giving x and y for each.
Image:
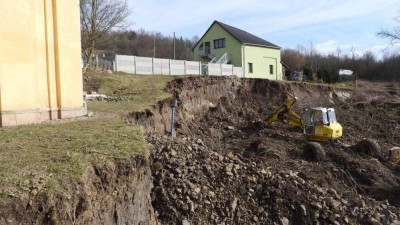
(35, 157)
(137, 92)
(38, 158)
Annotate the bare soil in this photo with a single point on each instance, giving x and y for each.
(225, 167)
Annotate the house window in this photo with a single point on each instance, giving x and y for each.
(250, 66)
(220, 43)
(271, 69)
(201, 46)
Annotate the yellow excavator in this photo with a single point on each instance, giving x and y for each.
(318, 124)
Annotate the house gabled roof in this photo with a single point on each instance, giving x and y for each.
(245, 37)
(242, 36)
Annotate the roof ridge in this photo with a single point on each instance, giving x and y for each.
(245, 37)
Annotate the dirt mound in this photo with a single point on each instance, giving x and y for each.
(225, 166)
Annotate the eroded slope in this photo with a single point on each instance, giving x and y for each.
(224, 166)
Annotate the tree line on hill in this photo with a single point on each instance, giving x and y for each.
(149, 44)
(314, 65)
(104, 26)
(317, 66)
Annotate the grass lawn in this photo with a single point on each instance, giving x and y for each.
(138, 92)
(37, 158)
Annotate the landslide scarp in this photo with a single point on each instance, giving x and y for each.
(225, 166)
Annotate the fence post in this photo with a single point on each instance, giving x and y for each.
(134, 63)
(184, 67)
(115, 64)
(200, 72)
(169, 63)
(152, 65)
(161, 66)
(220, 67)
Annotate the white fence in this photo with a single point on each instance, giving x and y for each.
(213, 69)
(151, 66)
(100, 64)
(156, 66)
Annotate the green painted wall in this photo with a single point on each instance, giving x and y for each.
(232, 46)
(262, 58)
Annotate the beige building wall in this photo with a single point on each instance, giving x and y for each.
(40, 61)
(261, 59)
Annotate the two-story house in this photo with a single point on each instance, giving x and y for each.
(226, 44)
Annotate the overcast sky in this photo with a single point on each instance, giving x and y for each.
(326, 24)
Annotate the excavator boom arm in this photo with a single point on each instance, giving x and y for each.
(285, 113)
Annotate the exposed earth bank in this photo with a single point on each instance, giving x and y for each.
(225, 167)
(115, 193)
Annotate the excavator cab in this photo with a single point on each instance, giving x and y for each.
(319, 124)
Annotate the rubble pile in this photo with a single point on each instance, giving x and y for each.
(196, 185)
(226, 167)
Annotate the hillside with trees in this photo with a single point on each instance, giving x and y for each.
(104, 27)
(317, 66)
(149, 44)
(313, 64)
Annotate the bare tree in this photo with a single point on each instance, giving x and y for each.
(338, 51)
(394, 35)
(143, 43)
(353, 52)
(98, 19)
(313, 58)
(293, 58)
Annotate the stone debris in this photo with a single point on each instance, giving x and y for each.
(210, 188)
(185, 222)
(224, 148)
(285, 221)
